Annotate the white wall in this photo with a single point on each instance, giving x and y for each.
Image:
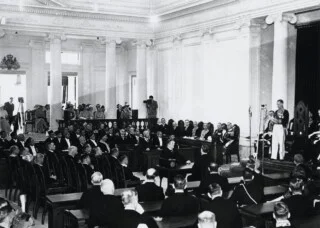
(205, 80)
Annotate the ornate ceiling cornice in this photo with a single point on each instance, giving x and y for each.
(73, 13)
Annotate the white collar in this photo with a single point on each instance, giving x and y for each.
(283, 223)
(213, 197)
(124, 165)
(148, 181)
(178, 191)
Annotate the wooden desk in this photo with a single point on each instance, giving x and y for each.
(176, 222)
(274, 190)
(261, 209)
(276, 178)
(171, 172)
(77, 218)
(58, 203)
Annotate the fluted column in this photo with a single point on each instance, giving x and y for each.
(141, 79)
(39, 82)
(280, 69)
(86, 90)
(55, 81)
(111, 86)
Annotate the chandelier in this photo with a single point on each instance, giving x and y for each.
(9, 62)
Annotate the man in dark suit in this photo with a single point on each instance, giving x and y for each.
(214, 177)
(73, 136)
(200, 167)
(145, 142)
(180, 203)
(158, 141)
(14, 139)
(251, 191)
(281, 214)
(232, 141)
(51, 162)
(21, 141)
(4, 143)
(169, 155)
(163, 127)
(122, 139)
(298, 204)
(124, 161)
(107, 209)
(9, 107)
(299, 162)
(50, 138)
(91, 195)
(149, 191)
(132, 137)
(60, 142)
(226, 211)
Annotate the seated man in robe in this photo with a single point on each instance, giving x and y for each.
(170, 157)
(124, 161)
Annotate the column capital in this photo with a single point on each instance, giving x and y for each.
(36, 44)
(142, 43)
(111, 41)
(281, 17)
(206, 34)
(177, 38)
(56, 36)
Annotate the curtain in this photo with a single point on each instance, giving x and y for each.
(308, 66)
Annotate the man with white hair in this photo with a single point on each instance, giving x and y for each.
(107, 209)
(149, 191)
(133, 212)
(89, 196)
(207, 219)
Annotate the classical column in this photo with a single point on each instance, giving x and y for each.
(39, 79)
(55, 81)
(280, 71)
(86, 79)
(141, 79)
(111, 87)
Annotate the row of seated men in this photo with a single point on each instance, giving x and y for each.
(214, 196)
(298, 198)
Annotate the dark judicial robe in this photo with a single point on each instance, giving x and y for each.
(200, 167)
(149, 191)
(226, 212)
(211, 178)
(89, 197)
(129, 175)
(299, 206)
(180, 204)
(61, 144)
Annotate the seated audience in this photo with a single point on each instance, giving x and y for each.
(149, 191)
(99, 114)
(90, 196)
(108, 209)
(299, 162)
(4, 143)
(226, 211)
(60, 142)
(180, 130)
(122, 139)
(180, 203)
(206, 219)
(124, 161)
(188, 128)
(214, 177)
(199, 130)
(163, 127)
(92, 140)
(131, 138)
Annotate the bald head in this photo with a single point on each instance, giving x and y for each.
(207, 219)
(96, 178)
(107, 187)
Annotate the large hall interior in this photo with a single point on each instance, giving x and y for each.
(159, 113)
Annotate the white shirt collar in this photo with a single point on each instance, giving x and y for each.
(124, 165)
(178, 191)
(283, 223)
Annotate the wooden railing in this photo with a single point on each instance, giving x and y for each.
(138, 123)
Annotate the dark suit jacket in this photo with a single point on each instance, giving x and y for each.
(143, 144)
(12, 143)
(200, 167)
(62, 145)
(19, 144)
(89, 197)
(180, 204)
(49, 140)
(214, 178)
(167, 154)
(9, 108)
(163, 128)
(103, 147)
(189, 131)
(121, 141)
(299, 206)
(156, 142)
(52, 164)
(131, 219)
(131, 139)
(4, 143)
(129, 175)
(179, 132)
(149, 192)
(107, 210)
(226, 212)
